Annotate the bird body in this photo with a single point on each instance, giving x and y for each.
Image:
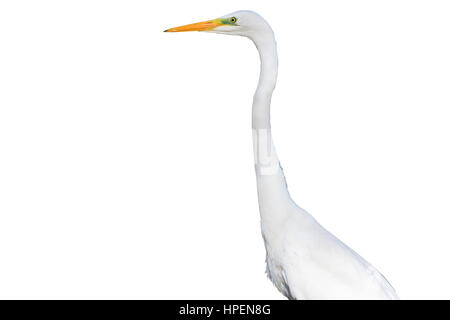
(304, 260)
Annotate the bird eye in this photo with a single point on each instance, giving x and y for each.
(233, 19)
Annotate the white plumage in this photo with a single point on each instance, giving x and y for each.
(304, 260)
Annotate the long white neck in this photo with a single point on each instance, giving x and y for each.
(266, 160)
(272, 188)
(267, 49)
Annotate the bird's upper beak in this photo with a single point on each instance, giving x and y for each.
(199, 26)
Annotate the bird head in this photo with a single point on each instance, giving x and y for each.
(241, 23)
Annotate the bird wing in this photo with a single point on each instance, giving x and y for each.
(317, 265)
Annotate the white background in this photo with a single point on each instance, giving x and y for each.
(126, 165)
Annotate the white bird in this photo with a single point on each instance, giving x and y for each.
(304, 261)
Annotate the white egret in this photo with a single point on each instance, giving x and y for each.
(304, 260)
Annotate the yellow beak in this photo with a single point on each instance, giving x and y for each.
(199, 26)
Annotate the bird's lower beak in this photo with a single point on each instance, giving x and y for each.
(199, 26)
